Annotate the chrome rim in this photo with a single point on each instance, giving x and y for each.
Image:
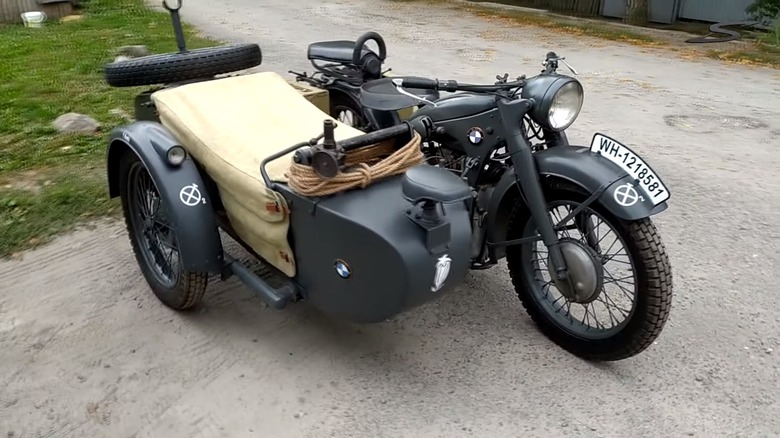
(616, 302)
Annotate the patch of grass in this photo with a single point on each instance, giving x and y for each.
(49, 181)
(761, 54)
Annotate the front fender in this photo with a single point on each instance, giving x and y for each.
(200, 246)
(577, 165)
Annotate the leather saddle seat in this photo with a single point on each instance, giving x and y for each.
(335, 51)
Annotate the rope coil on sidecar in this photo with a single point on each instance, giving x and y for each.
(364, 166)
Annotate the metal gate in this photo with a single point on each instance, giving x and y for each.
(714, 11)
(661, 11)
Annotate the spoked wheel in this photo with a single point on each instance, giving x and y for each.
(346, 111)
(622, 274)
(154, 239)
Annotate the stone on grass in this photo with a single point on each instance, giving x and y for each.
(119, 112)
(75, 122)
(69, 18)
(132, 51)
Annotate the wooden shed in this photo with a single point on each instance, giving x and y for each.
(11, 10)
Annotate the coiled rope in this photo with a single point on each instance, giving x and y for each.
(363, 167)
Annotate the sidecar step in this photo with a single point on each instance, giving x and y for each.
(278, 298)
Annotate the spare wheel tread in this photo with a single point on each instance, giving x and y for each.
(175, 67)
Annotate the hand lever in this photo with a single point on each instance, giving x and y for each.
(563, 60)
(174, 10)
(399, 87)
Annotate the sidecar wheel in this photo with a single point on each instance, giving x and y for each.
(167, 68)
(154, 240)
(572, 322)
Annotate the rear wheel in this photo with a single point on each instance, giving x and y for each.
(624, 273)
(154, 240)
(345, 110)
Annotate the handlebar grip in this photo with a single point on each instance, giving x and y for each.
(449, 86)
(422, 83)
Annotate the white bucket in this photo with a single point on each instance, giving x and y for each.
(33, 19)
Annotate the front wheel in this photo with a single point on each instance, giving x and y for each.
(624, 294)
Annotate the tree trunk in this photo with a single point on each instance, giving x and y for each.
(636, 12)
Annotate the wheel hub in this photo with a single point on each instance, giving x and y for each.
(585, 272)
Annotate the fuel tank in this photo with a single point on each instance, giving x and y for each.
(361, 257)
(457, 106)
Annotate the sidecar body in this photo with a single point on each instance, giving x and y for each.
(362, 255)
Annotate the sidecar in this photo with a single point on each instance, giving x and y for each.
(222, 155)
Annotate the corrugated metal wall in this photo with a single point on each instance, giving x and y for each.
(714, 10)
(661, 11)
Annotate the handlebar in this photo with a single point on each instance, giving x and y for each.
(366, 37)
(172, 8)
(452, 86)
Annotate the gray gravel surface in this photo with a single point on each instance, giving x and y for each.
(87, 351)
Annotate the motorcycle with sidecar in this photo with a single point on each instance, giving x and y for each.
(365, 225)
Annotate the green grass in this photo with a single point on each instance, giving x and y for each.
(50, 182)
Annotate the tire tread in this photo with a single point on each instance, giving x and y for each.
(659, 285)
(176, 67)
(191, 286)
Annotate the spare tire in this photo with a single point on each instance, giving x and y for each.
(168, 68)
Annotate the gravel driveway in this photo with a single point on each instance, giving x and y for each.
(87, 351)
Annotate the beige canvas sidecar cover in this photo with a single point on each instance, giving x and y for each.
(229, 126)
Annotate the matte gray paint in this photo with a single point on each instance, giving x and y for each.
(392, 270)
(200, 246)
(577, 165)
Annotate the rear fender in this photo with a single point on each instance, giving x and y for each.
(576, 165)
(376, 119)
(200, 246)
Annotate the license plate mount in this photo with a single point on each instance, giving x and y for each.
(628, 160)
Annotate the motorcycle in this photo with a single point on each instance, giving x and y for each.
(341, 67)
(350, 64)
(366, 225)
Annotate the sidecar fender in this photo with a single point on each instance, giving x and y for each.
(200, 246)
(576, 165)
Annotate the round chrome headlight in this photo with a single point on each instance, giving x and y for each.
(566, 105)
(557, 100)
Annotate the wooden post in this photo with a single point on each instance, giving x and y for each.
(636, 12)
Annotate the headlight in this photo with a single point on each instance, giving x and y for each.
(176, 155)
(557, 100)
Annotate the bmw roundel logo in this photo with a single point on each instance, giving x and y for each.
(476, 135)
(343, 269)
